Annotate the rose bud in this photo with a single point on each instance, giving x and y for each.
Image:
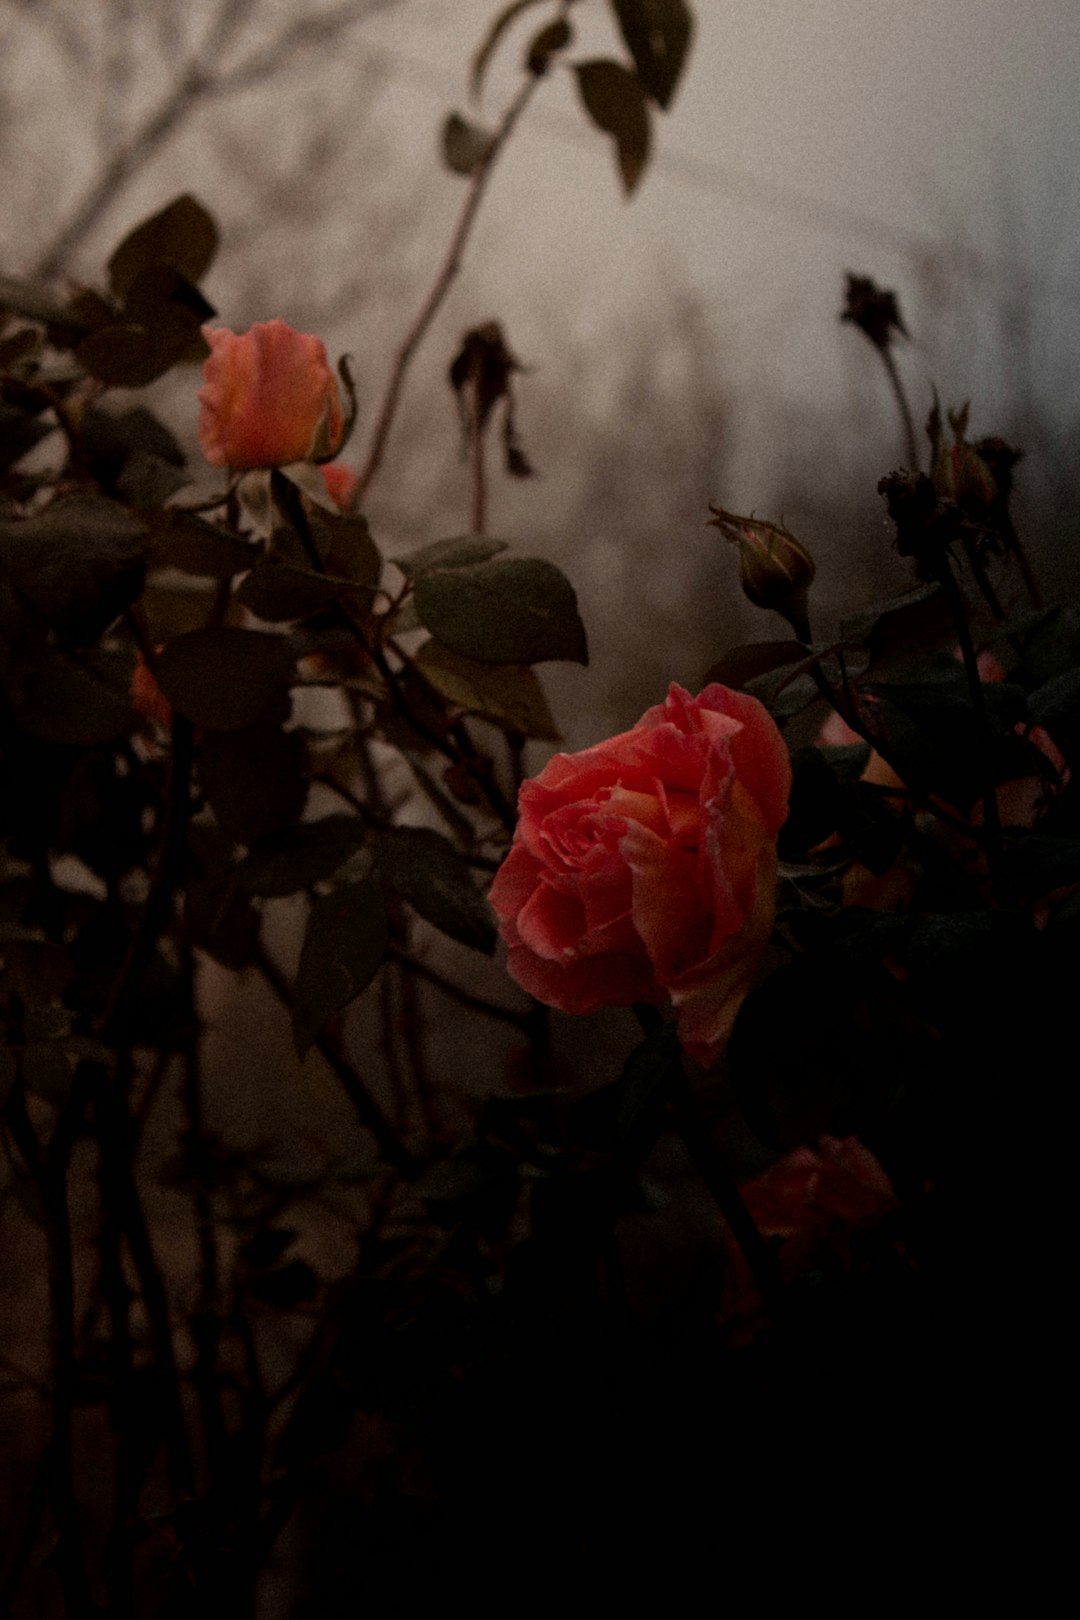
(644, 869)
(775, 571)
(269, 398)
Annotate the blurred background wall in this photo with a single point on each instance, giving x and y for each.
(683, 345)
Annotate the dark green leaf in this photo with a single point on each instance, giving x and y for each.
(461, 552)
(615, 101)
(344, 943)
(303, 856)
(509, 694)
(225, 678)
(657, 35)
(81, 704)
(1052, 644)
(646, 1084)
(744, 664)
(79, 563)
(186, 541)
(425, 869)
(19, 432)
(133, 354)
(278, 592)
(465, 146)
(1056, 705)
(899, 634)
(506, 611)
(147, 482)
(347, 549)
(556, 36)
(183, 235)
(254, 778)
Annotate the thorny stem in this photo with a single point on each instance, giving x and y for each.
(50, 1172)
(479, 1004)
(975, 686)
(444, 278)
(888, 360)
(464, 753)
(479, 511)
(714, 1170)
(125, 992)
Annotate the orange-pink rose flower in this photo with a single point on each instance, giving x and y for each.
(268, 397)
(645, 868)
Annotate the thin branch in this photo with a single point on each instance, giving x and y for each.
(367, 1109)
(911, 448)
(490, 1009)
(444, 278)
(196, 82)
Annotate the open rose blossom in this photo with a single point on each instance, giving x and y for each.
(645, 868)
(268, 397)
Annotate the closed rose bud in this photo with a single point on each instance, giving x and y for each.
(775, 571)
(268, 398)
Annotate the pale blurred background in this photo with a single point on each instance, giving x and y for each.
(684, 345)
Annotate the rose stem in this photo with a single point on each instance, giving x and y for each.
(447, 271)
(715, 1172)
(888, 360)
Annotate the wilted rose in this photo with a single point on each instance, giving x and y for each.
(269, 397)
(645, 868)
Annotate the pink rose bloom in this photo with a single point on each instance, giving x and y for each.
(812, 1203)
(645, 868)
(268, 397)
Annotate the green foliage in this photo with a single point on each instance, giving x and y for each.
(182, 236)
(657, 35)
(224, 678)
(301, 857)
(427, 871)
(504, 611)
(509, 694)
(614, 99)
(344, 943)
(465, 146)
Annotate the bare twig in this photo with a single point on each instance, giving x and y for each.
(199, 80)
(444, 278)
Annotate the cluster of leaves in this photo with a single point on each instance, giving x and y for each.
(617, 95)
(100, 568)
(185, 690)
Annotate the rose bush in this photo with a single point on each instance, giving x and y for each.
(268, 398)
(645, 868)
